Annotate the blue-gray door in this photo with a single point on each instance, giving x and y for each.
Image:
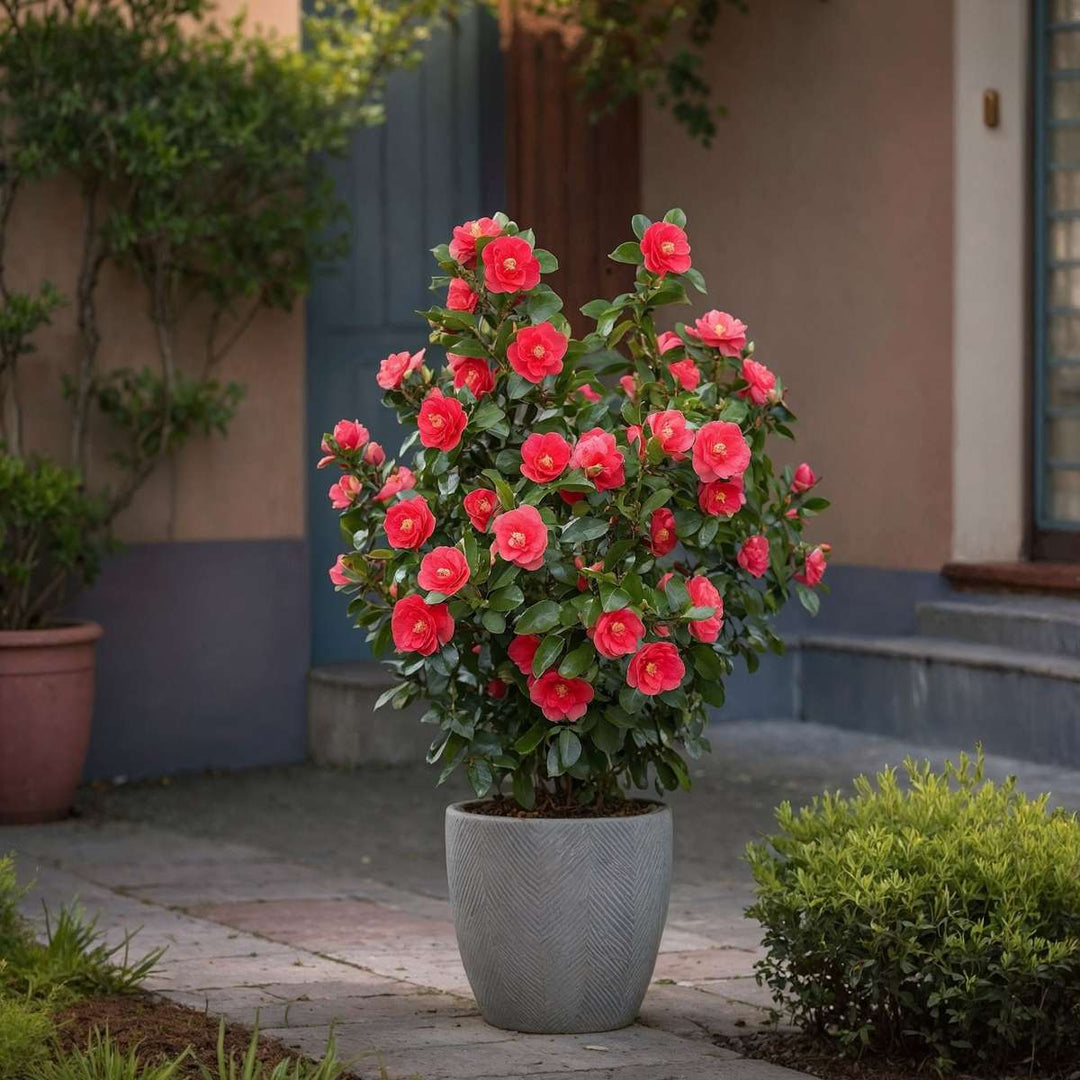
(437, 161)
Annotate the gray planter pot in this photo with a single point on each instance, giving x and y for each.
(559, 920)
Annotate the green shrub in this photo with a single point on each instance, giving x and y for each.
(938, 920)
(26, 1030)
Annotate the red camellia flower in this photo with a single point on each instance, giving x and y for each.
(496, 688)
(598, 457)
(571, 497)
(720, 451)
(665, 248)
(760, 379)
(804, 479)
(662, 531)
(374, 454)
(634, 435)
(463, 245)
(474, 373)
(350, 434)
(420, 627)
(510, 266)
(339, 572)
(703, 593)
(459, 297)
(521, 537)
(655, 669)
(670, 430)
(480, 505)
(343, 492)
(394, 369)
(444, 570)
(588, 393)
(754, 555)
(685, 373)
(409, 524)
(722, 498)
(441, 421)
(401, 479)
(629, 386)
(328, 457)
(721, 331)
(813, 568)
(544, 457)
(582, 580)
(667, 341)
(522, 650)
(617, 633)
(537, 351)
(559, 698)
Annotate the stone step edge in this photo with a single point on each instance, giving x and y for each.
(948, 651)
(1050, 613)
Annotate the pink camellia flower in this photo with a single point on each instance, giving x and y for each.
(496, 688)
(754, 555)
(420, 627)
(813, 567)
(662, 532)
(374, 454)
(401, 479)
(350, 434)
(617, 633)
(444, 570)
(521, 537)
(463, 245)
(339, 572)
(510, 266)
(629, 385)
(409, 524)
(667, 341)
(664, 580)
(441, 420)
(474, 373)
(721, 331)
(655, 668)
(480, 505)
(328, 456)
(598, 457)
(720, 451)
(722, 498)
(559, 698)
(665, 248)
(522, 650)
(537, 351)
(670, 430)
(760, 379)
(396, 367)
(343, 492)
(804, 479)
(703, 593)
(685, 373)
(588, 393)
(544, 457)
(459, 297)
(634, 435)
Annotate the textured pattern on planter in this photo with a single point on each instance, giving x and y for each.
(559, 921)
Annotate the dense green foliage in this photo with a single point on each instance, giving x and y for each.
(939, 920)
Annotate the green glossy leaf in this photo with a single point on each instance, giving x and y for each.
(533, 737)
(493, 621)
(628, 252)
(546, 654)
(583, 529)
(539, 618)
(548, 263)
(569, 748)
(639, 223)
(506, 598)
(577, 661)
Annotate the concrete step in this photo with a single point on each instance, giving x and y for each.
(1028, 623)
(946, 693)
(344, 728)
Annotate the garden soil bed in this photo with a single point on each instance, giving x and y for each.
(549, 808)
(162, 1031)
(804, 1053)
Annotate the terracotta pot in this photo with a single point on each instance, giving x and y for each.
(46, 702)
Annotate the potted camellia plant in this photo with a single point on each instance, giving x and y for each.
(588, 536)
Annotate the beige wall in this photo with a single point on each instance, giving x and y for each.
(823, 217)
(247, 486)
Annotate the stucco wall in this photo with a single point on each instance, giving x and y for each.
(248, 486)
(823, 217)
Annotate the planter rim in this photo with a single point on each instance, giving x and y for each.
(62, 633)
(458, 810)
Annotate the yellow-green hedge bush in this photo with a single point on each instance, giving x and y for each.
(937, 920)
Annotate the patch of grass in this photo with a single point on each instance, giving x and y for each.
(104, 1060)
(26, 1032)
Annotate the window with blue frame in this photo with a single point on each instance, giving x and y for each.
(1056, 190)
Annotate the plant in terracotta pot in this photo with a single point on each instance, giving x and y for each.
(567, 572)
